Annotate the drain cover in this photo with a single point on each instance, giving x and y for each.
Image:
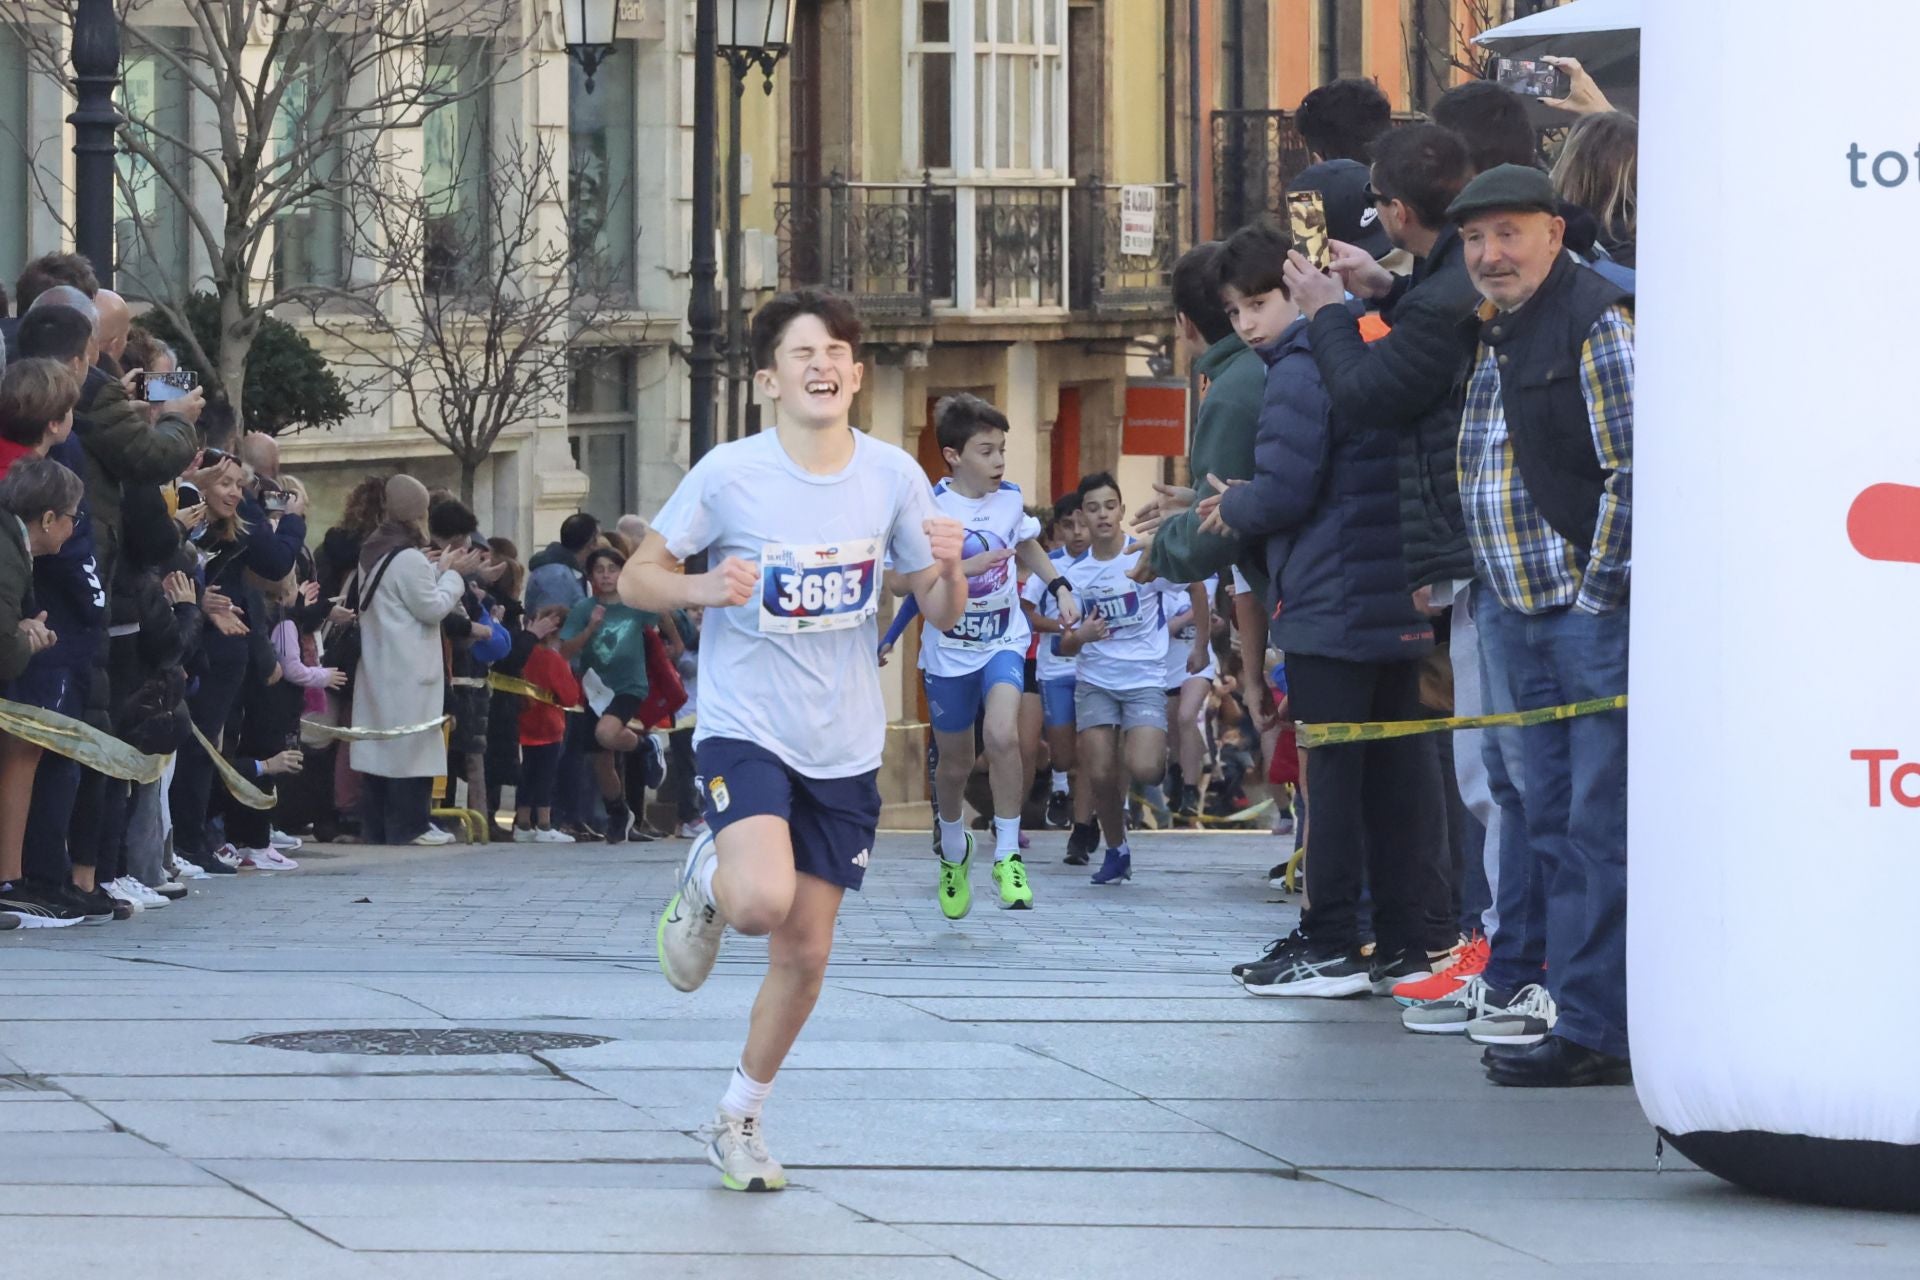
(425, 1042)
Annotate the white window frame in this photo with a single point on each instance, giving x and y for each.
(1047, 115)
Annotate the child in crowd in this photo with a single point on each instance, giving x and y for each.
(543, 727)
(608, 640)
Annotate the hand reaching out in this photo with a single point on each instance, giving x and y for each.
(288, 761)
(1584, 96)
(179, 588)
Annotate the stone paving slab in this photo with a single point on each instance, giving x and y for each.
(1076, 1091)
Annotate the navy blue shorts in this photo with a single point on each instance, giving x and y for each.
(831, 821)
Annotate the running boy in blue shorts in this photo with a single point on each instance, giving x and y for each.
(799, 521)
(976, 670)
(1055, 674)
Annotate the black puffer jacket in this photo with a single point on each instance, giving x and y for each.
(1413, 383)
(1325, 496)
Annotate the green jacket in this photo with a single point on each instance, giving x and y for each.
(123, 450)
(1223, 437)
(16, 588)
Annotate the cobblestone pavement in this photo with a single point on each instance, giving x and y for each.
(1075, 1091)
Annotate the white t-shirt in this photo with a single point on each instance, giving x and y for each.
(994, 620)
(1181, 643)
(1049, 665)
(793, 669)
(1134, 654)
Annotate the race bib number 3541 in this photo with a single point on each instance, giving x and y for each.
(829, 586)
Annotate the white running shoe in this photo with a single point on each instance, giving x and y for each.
(548, 835)
(115, 890)
(692, 830)
(736, 1149)
(169, 889)
(525, 835)
(142, 894)
(688, 936)
(432, 836)
(281, 840)
(273, 860)
(184, 870)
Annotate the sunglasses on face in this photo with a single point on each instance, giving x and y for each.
(1375, 197)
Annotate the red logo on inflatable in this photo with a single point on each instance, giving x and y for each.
(1884, 523)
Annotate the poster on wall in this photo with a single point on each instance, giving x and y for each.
(1139, 211)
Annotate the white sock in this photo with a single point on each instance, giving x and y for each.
(745, 1096)
(703, 876)
(1006, 838)
(1060, 780)
(953, 840)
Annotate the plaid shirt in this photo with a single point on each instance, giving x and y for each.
(1531, 568)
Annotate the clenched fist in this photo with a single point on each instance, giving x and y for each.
(945, 536)
(728, 584)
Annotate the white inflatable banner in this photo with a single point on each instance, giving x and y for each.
(1775, 758)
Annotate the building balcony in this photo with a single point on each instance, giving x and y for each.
(936, 248)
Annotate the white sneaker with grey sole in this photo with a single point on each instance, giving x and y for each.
(688, 936)
(736, 1149)
(1525, 1019)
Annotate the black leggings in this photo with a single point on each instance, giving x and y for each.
(210, 706)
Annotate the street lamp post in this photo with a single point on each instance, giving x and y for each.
(96, 69)
(753, 33)
(588, 26)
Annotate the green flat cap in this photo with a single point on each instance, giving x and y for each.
(1505, 188)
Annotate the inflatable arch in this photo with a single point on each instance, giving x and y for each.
(1775, 757)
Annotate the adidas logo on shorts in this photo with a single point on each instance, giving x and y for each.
(860, 859)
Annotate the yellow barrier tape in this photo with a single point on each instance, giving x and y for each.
(508, 684)
(1331, 735)
(242, 790)
(338, 733)
(77, 740)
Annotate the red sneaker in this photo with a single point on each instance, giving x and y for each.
(1469, 961)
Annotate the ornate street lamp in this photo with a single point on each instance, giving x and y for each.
(748, 34)
(589, 32)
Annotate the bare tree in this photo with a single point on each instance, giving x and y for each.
(294, 94)
(1441, 58)
(492, 285)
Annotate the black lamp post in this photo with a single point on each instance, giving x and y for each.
(752, 33)
(96, 69)
(589, 32)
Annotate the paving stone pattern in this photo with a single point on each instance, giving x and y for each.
(1075, 1091)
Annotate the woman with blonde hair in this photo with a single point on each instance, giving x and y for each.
(1599, 170)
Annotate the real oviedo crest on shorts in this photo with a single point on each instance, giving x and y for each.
(827, 586)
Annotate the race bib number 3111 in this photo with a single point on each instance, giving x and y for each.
(829, 586)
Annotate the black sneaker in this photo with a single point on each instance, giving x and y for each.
(1271, 957)
(34, 908)
(95, 907)
(619, 824)
(1314, 970)
(1081, 843)
(1188, 816)
(210, 864)
(1384, 972)
(1059, 811)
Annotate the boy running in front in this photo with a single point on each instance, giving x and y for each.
(977, 669)
(799, 521)
(1120, 701)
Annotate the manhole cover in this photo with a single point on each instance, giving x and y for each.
(426, 1043)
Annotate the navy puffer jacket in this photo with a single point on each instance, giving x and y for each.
(1326, 496)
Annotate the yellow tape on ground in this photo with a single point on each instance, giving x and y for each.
(242, 790)
(337, 733)
(1331, 735)
(77, 740)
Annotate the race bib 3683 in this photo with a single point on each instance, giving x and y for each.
(828, 586)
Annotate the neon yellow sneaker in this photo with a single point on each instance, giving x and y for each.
(1010, 874)
(956, 885)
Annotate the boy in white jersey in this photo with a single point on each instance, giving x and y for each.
(1190, 675)
(977, 669)
(1055, 676)
(1120, 701)
(799, 520)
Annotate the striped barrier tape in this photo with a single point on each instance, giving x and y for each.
(1332, 735)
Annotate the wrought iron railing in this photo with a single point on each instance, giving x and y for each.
(899, 247)
(1126, 238)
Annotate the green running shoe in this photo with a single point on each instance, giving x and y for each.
(956, 885)
(1010, 874)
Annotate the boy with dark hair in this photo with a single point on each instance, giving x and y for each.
(1339, 121)
(607, 639)
(799, 520)
(51, 269)
(1056, 676)
(558, 574)
(1492, 122)
(977, 669)
(1325, 500)
(1121, 648)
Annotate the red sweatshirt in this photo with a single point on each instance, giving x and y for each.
(540, 723)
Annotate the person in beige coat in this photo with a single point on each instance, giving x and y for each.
(402, 676)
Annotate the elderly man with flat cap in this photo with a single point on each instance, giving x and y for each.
(1545, 470)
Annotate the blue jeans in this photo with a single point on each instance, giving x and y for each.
(1563, 888)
